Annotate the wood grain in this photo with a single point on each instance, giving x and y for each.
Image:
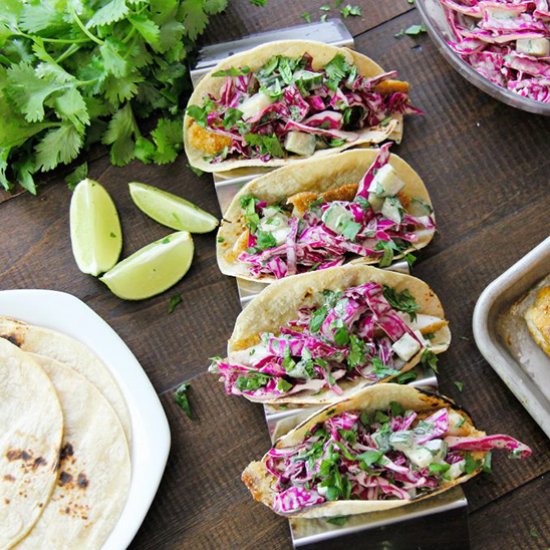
(486, 167)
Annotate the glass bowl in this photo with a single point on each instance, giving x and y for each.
(433, 17)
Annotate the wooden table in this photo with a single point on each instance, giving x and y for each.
(486, 167)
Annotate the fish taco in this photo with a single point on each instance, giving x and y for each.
(289, 100)
(314, 338)
(365, 206)
(384, 447)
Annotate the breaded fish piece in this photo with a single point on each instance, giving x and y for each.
(537, 318)
(208, 142)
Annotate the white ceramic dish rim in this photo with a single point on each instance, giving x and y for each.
(519, 383)
(150, 431)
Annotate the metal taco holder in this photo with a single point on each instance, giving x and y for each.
(377, 525)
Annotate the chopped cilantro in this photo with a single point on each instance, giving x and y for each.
(396, 409)
(267, 145)
(251, 217)
(283, 386)
(351, 229)
(356, 356)
(252, 382)
(306, 16)
(182, 399)
(230, 118)
(77, 175)
(350, 10)
(438, 468)
(220, 239)
(175, 300)
(402, 301)
(317, 318)
(406, 377)
(381, 370)
(265, 240)
(337, 520)
(413, 30)
(326, 7)
(459, 385)
(429, 359)
(534, 533)
(471, 464)
(341, 336)
(370, 457)
(233, 71)
(197, 113)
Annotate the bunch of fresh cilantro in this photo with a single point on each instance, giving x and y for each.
(77, 72)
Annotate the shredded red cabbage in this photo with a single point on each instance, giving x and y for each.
(505, 41)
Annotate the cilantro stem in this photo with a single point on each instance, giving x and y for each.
(67, 53)
(83, 28)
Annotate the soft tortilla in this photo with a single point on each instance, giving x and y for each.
(279, 303)
(94, 468)
(261, 482)
(318, 176)
(31, 428)
(70, 352)
(255, 58)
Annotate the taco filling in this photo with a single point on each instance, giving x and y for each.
(287, 108)
(382, 455)
(372, 219)
(366, 333)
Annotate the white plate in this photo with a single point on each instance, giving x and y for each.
(150, 432)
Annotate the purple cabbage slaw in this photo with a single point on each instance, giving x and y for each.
(349, 337)
(486, 34)
(387, 455)
(332, 103)
(311, 245)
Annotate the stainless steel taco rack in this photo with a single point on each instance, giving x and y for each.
(384, 530)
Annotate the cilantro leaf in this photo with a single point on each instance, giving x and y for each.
(109, 13)
(350, 10)
(77, 175)
(233, 71)
(168, 140)
(121, 136)
(267, 145)
(182, 399)
(58, 146)
(175, 301)
(402, 301)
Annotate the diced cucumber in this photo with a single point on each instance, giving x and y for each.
(406, 346)
(300, 143)
(337, 217)
(392, 209)
(254, 104)
(438, 448)
(402, 439)
(456, 469)
(533, 46)
(420, 456)
(386, 182)
(376, 202)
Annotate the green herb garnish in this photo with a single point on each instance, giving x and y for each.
(175, 300)
(182, 399)
(402, 301)
(233, 71)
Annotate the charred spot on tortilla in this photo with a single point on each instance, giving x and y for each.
(40, 461)
(18, 454)
(66, 451)
(9, 477)
(64, 479)
(14, 338)
(82, 481)
(7, 501)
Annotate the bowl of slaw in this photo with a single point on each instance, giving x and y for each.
(488, 54)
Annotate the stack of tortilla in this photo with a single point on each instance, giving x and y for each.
(65, 432)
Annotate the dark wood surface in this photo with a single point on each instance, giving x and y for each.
(486, 167)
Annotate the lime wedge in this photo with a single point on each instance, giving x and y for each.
(171, 210)
(96, 235)
(152, 269)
